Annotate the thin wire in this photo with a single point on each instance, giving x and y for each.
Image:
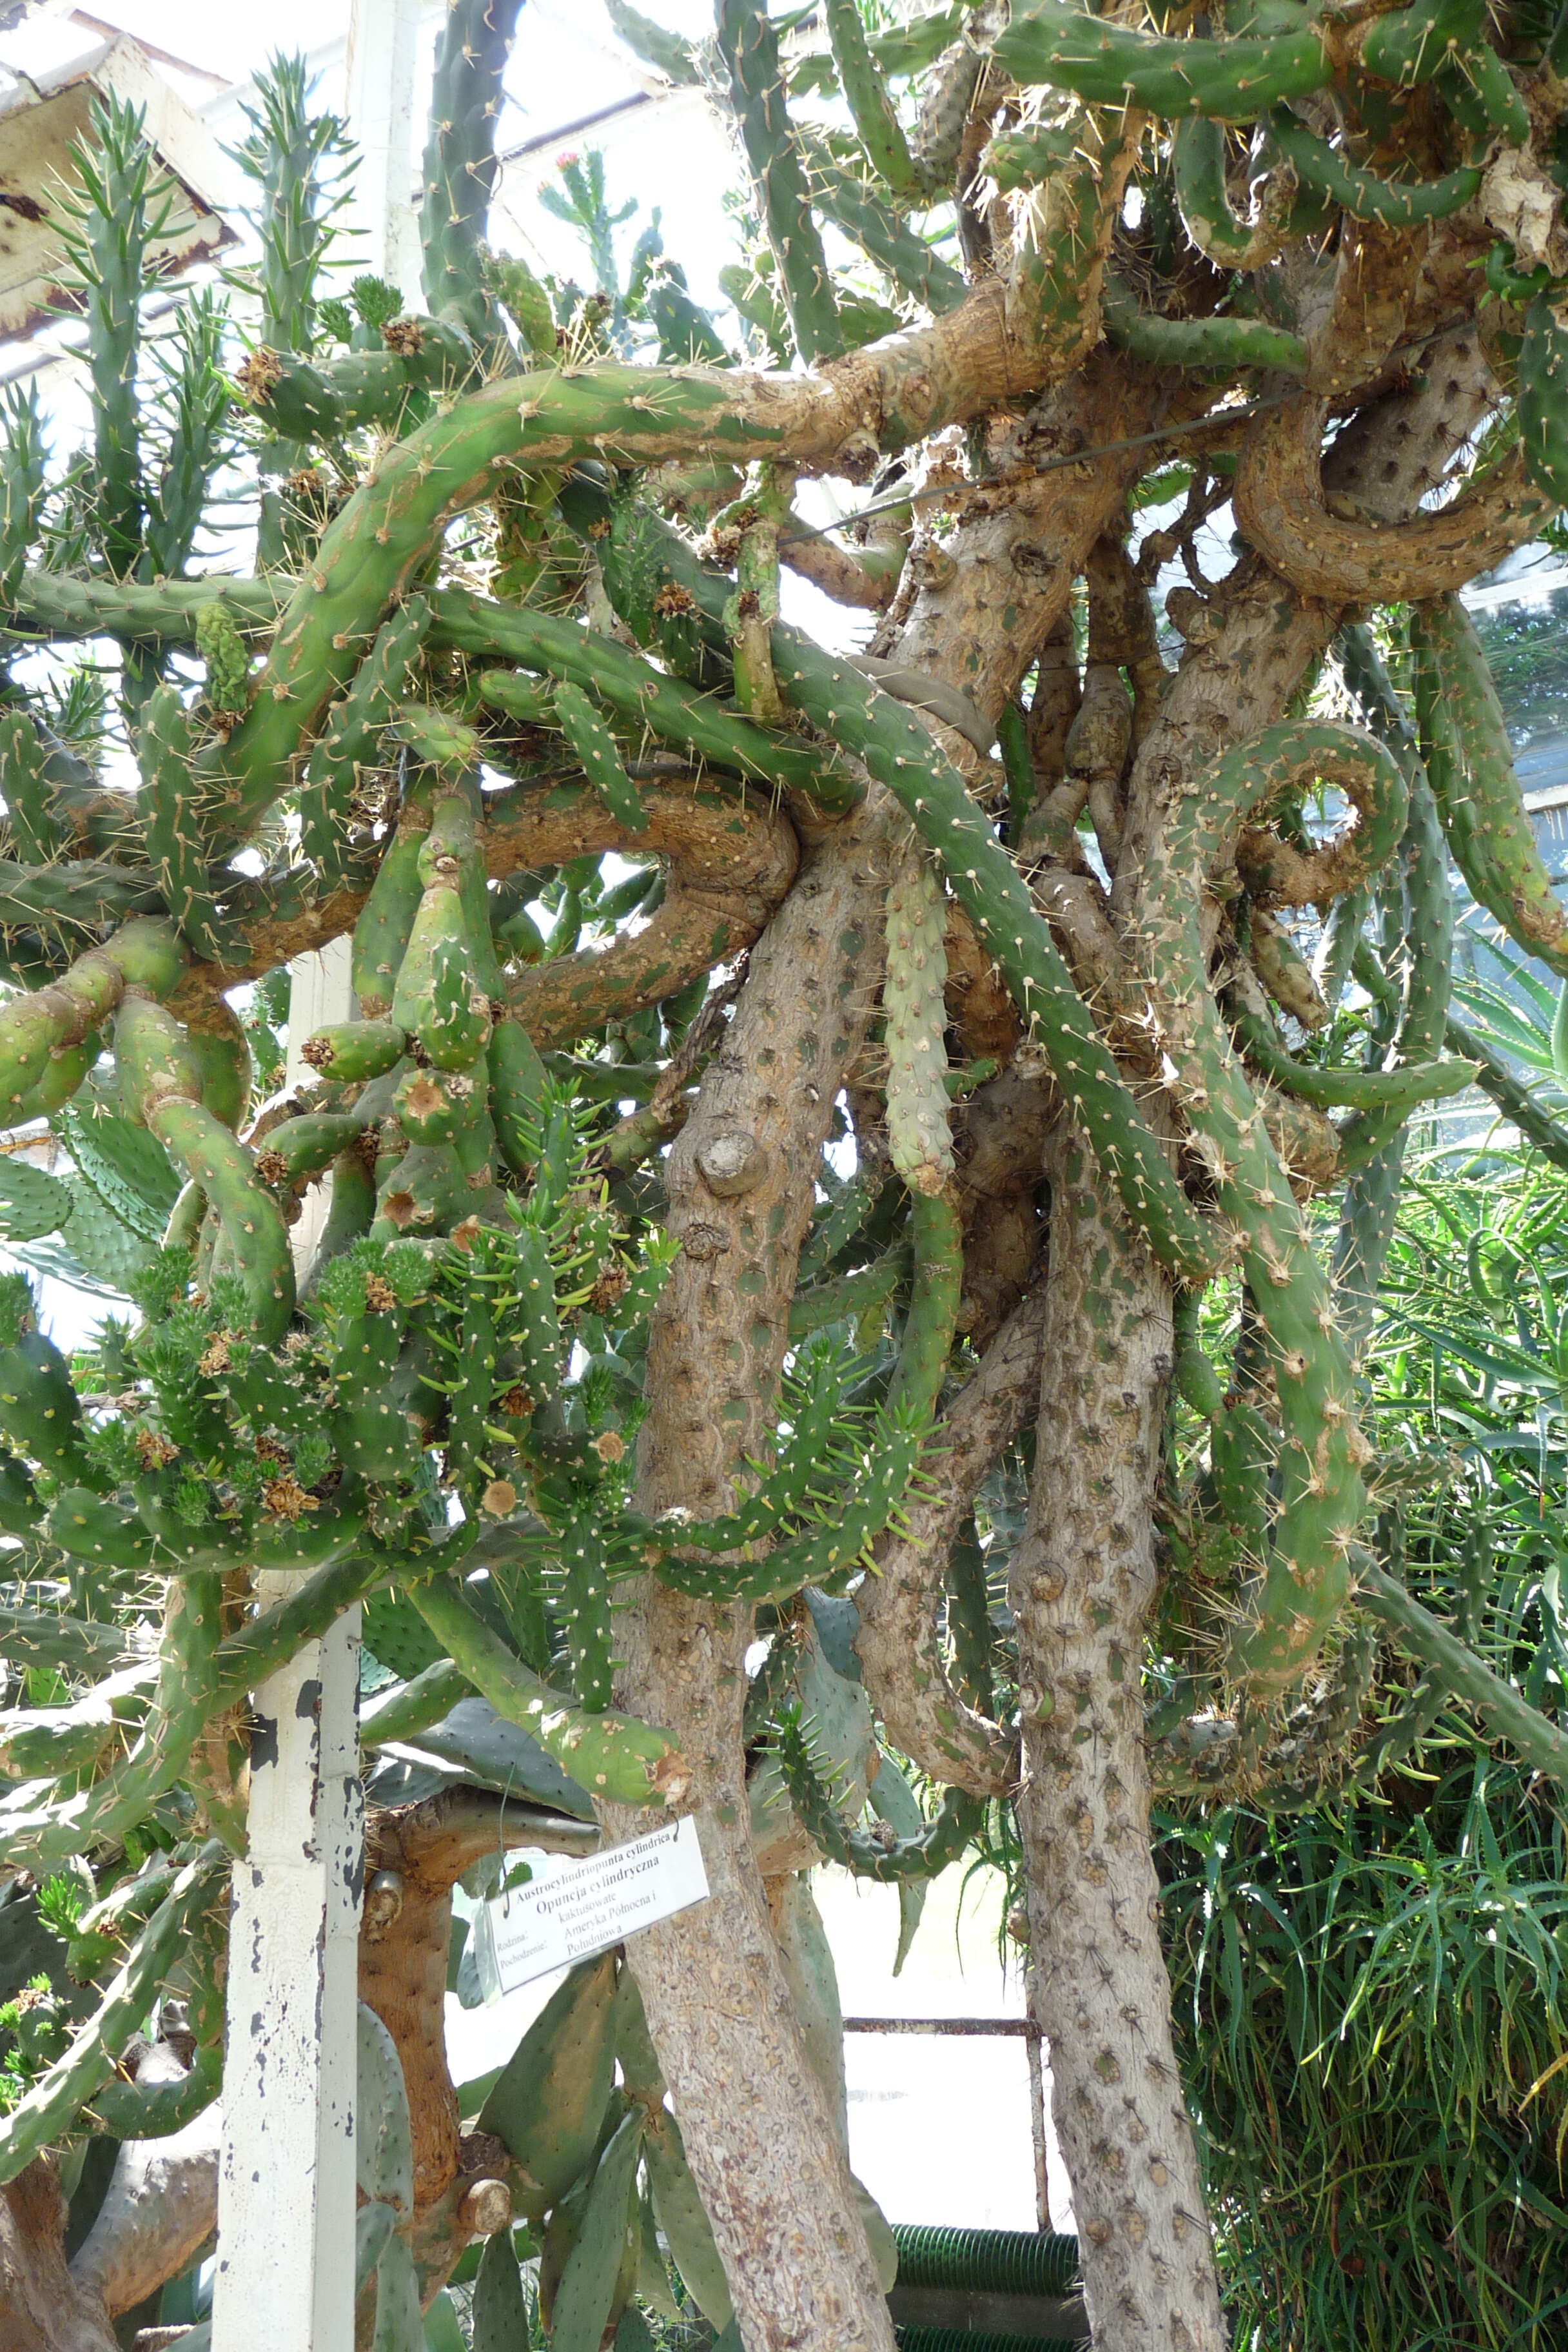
(1223, 417)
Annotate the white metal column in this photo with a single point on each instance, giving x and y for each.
(287, 2187)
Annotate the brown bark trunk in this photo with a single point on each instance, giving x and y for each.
(759, 2132)
(1082, 1582)
(41, 2310)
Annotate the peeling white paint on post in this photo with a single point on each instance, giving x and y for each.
(286, 2186)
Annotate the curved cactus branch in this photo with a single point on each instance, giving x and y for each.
(1281, 511)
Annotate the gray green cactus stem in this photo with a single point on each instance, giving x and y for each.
(1540, 1743)
(1517, 1103)
(747, 43)
(321, 400)
(1305, 1582)
(955, 1822)
(639, 694)
(1391, 204)
(1469, 760)
(50, 2108)
(160, 1086)
(461, 163)
(1398, 1091)
(1219, 343)
(612, 1756)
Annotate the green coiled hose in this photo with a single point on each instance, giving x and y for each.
(997, 2261)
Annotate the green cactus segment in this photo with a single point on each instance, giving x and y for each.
(39, 1413)
(348, 749)
(461, 164)
(637, 693)
(932, 1317)
(871, 108)
(37, 833)
(170, 808)
(748, 45)
(835, 1545)
(387, 919)
(1198, 173)
(112, 222)
(1471, 763)
(1233, 80)
(1216, 343)
(52, 2105)
(900, 755)
(612, 1756)
(1542, 402)
(1390, 204)
(1516, 1102)
(905, 1859)
(668, 53)
(1400, 1091)
(683, 2217)
(383, 2145)
(348, 1052)
(50, 1022)
(586, 1574)
(899, 251)
(22, 479)
(1540, 1743)
(358, 392)
(1306, 1579)
(160, 1084)
(595, 746)
(916, 1016)
(437, 1001)
(517, 1081)
(226, 658)
(299, 1149)
(158, 2110)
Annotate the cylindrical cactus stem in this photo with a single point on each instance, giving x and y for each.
(111, 226)
(350, 1052)
(1400, 1090)
(635, 691)
(37, 832)
(161, 1085)
(884, 236)
(900, 755)
(1469, 762)
(1517, 1103)
(216, 1037)
(1198, 158)
(350, 741)
(1540, 1742)
(1306, 1578)
(168, 806)
(932, 1316)
(460, 161)
(387, 919)
(321, 400)
(1542, 405)
(1391, 204)
(1230, 80)
(921, 1856)
(866, 93)
(22, 479)
(1217, 343)
(51, 1021)
(48, 2110)
(612, 1756)
(595, 746)
(748, 45)
(914, 1010)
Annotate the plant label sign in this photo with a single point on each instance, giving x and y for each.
(586, 1906)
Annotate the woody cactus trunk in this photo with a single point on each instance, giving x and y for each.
(779, 1072)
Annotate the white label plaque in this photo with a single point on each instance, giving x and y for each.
(586, 1906)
